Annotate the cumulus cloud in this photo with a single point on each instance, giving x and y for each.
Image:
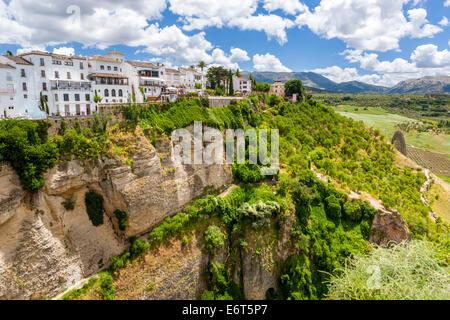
(288, 6)
(200, 14)
(338, 74)
(268, 62)
(447, 3)
(444, 22)
(64, 51)
(428, 56)
(367, 25)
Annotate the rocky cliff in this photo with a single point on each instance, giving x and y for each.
(45, 248)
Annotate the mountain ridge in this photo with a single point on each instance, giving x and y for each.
(315, 81)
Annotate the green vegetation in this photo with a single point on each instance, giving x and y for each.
(434, 106)
(294, 86)
(214, 239)
(411, 271)
(94, 207)
(122, 219)
(24, 145)
(68, 204)
(77, 293)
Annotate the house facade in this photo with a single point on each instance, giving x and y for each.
(148, 77)
(277, 88)
(242, 86)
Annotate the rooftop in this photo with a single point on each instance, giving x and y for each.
(19, 60)
(103, 59)
(6, 66)
(141, 64)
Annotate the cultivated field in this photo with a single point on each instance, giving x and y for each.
(436, 162)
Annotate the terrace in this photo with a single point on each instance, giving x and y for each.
(70, 85)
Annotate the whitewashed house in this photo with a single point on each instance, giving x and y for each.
(108, 79)
(242, 86)
(19, 78)
(149, 77)
(63, 82)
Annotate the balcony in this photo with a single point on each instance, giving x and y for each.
(70, 86)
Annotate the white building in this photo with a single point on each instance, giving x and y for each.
(19, 78)
(149, 77)
(108, 79)
(242, 86)
(192, 80)
(63, 82)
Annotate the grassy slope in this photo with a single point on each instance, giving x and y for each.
(386, 123)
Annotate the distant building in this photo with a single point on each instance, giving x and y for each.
(277, 88)
(242, 86)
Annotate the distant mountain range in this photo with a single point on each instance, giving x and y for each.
(317, 82)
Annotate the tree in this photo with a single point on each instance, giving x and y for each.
(231, 85)
(9, 53)
(238, 73)
(294, 86)
(214, 239)
(217, 76)
(202, 65)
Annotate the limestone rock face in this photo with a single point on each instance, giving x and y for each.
(387, 227)
(45, 248)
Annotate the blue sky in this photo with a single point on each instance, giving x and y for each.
(375, 41)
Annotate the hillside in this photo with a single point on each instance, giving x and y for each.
(111, 199)
(317, 81)
(423, 86)
(427, 85)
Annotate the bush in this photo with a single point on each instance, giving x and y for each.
(138, 247)
(410, 271)
(259, 214)
(333, 208)
(214, 239)
(94, 207)
(107, 290)
(68, 204)
(23, 143)
(122, 219)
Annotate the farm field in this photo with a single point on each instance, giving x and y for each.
(438, 163)
(386, 122)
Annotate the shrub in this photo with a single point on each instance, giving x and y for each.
(122, 219)
(214, 239)
(68, 204)
(410, 271)
(107, 290)
(138, 247)
(259, 214)
(333, 208)
(94, 207)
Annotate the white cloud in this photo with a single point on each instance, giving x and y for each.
(274, 26)
(367, 25)
(200, 14)
(288, 6)
(444, 22)
(64, 51)
(338, 74)
(268, 62)
(447, 3)
(428, 56)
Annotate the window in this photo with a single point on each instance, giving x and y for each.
(56, 98)
(115, 69)
(22, 73)
(78, 109)
(77, 97)
(88, 97)
(57, 62)
(113, 93)
(9, 76)
(42, 73)
(68, 75)
(45, 98)
(106, 93)
(82, 76)
(24, 86)
(120, 93)
(25, 96)
(88, 109)
(44, 86)
(102, 67)
(66, 97)
(68, 63)
(81, 66)
(109, 67)
(42, 62)
(56, 74)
